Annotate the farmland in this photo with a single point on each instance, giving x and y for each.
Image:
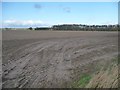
(55, 59)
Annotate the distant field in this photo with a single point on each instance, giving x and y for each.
(19, 34)
(55, 59)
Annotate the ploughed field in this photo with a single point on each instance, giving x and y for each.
(53, 59)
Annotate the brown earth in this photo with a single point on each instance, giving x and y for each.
(53, 59)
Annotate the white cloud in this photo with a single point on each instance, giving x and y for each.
(23, 23)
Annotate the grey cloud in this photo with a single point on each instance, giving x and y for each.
(37, 6)
(67, 9)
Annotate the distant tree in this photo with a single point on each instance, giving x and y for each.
(42, 28)
(30, 28)
(8, 28)
(80, 27)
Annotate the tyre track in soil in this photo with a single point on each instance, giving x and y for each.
(51, 63)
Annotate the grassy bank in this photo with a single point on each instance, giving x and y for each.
(105, 77)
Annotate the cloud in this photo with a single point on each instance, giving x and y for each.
(109, 22)
(37, 6)
(23, 23)
(67, 9)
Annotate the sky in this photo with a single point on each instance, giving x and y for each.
(40, 14)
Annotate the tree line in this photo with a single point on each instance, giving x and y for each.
(80, 27)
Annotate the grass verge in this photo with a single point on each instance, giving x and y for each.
(106, 77)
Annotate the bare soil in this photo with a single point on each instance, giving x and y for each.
(53, 59)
